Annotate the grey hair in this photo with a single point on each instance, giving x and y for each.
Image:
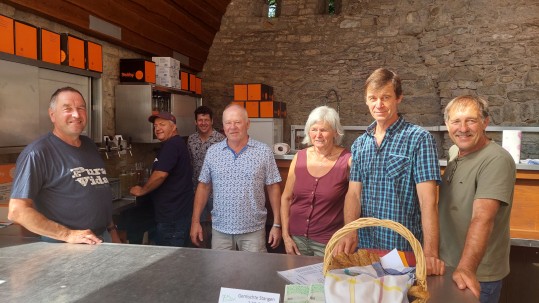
(465, 101)
(54, 97)
(324, 114)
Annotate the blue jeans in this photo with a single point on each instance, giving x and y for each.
(490, 291)
(174, 233)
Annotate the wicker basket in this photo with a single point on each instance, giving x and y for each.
(419, 289)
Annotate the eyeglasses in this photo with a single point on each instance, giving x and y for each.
(452, 173)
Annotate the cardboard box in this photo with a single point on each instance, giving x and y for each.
(168, 80)
(192, 83)
(270, 109)
(198, 87)
(73, 51)
(49, 46)
(240, 92)
(163, 71)
(7, 35)
(25, 40)
(166, 62)
(137, 70)
(95, 56)
(259, 92)
(184, 77)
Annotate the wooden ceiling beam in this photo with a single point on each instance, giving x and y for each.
(136, 21)
(166, 14)
(204, 13)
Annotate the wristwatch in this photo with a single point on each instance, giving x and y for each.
(276, 225)
(112, 227)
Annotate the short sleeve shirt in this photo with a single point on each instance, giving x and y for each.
(389, 174)
(173, 200)
(238, 182)
(67, 184)
(485, 174)
(198, 149)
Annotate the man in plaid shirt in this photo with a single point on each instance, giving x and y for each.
(394, 173)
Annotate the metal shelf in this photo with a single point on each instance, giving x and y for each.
(47, 65)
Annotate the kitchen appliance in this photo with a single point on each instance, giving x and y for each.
(267, 130)
(136, 102)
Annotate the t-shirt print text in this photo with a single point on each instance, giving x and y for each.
(94, 176)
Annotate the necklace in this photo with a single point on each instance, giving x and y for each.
(321, 158)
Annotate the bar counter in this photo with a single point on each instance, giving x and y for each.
(36, 271)
(525, 211)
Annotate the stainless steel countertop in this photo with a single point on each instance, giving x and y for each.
(39, 271)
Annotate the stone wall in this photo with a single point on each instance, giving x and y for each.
(441, 49)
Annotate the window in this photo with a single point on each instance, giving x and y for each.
(274, 8)
(329, 7)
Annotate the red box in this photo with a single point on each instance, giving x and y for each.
(73, 51)
(95, 56)
(259, 92)
(49, 46)
(198, 86)
(25, 40)
(137, 70)
(270, 109)
(192, 83)
(7, 35)
(253, 109)
(240, 92)
(184, 77)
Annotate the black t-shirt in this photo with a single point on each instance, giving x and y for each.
(174, 198)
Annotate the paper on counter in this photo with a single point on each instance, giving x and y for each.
(247, 296)
(296, 293)
(392, 260)
(304, 275)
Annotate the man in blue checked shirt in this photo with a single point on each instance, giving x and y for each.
(394, 173)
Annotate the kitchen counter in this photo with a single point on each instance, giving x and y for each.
(525, 211)
(443, 162)
(39, 271)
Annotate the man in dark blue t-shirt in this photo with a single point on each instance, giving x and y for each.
(61, 190)
(170, 185)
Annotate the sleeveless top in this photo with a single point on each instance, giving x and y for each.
(316, 211)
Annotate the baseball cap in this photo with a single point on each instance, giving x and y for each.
(162, 115)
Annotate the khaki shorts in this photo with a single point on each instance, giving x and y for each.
(253, 242)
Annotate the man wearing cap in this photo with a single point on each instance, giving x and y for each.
(170, 185)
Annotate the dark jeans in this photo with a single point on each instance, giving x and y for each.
(490, 291)
(174, 233)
